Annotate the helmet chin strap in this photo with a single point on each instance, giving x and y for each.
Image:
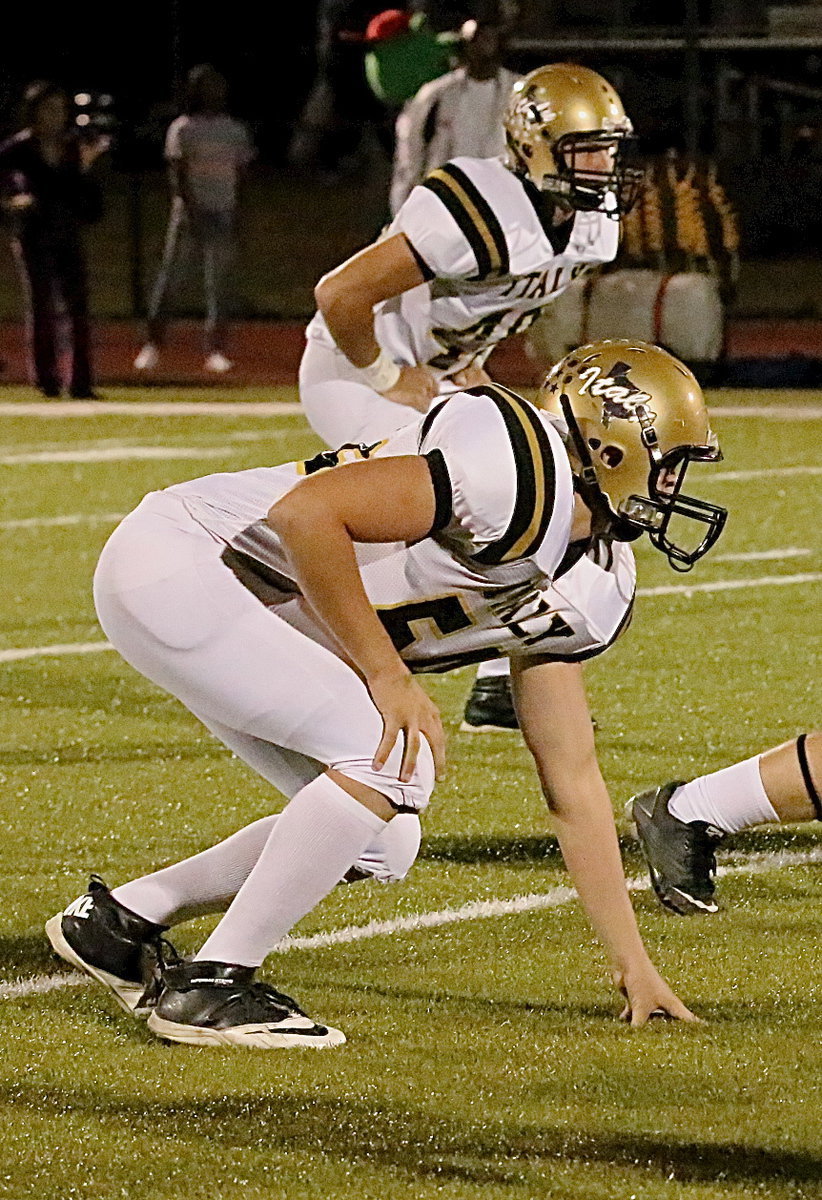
(585, 483)
(604, 525)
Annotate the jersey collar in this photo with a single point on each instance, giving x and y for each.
(545, 206)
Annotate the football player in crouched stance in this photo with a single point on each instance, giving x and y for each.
(681, 825)
(473, 255)
(289, 607)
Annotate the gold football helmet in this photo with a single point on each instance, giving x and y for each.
(555, 115)
(636, 418)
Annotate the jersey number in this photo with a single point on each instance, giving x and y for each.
(445, 613)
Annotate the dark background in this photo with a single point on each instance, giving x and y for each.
(721, 78)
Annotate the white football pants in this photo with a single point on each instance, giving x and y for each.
(286, 706)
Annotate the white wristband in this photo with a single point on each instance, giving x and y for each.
(381, 374)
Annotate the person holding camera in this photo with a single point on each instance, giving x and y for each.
(47, 196)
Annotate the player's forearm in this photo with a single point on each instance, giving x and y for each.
(321, 554)
(587, 836)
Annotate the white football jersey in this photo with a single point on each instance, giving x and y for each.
(492, 258)
(494, 577)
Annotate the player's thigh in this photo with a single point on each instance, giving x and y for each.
(287, 770)
(179, 615)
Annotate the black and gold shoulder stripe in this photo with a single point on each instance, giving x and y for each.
(536, 479)
(475, 217)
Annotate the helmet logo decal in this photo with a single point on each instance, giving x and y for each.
(621, 400)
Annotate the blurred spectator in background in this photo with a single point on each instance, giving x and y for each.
(459, 114)
(47, 197)
(207, 152)
(341, 107)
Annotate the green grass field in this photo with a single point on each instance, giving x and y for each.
(484, 1060)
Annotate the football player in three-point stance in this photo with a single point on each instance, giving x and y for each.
(680, 825)
(289, 608)
(472, 257)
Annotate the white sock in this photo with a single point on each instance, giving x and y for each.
(318, 836)
(204, 883)
(208, 882)
(730, 799)
(493, 667)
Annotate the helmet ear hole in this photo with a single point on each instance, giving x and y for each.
(612, 456)
(594, 443)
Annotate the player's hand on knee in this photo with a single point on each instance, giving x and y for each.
(416, 388)
(470, 377)
(647, 995)
(407, 710)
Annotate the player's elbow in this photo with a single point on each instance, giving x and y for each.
(327, 295)
(343, 302)
(290, 516)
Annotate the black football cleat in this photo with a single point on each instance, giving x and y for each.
(216, 1004)
(680, 855)
(122, 951)
(490, 706)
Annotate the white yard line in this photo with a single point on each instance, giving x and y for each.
(762, 555)
(729, 585)
(152, 408)
(17, 654)
(777, 412)
(116, 454)
(762, 473)
(67, 519)
(753, 864)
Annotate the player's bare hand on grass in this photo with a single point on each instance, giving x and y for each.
(416, 387)
(406, 709)
(471, 377)
(647, 995)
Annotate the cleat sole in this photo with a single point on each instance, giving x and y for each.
(251, 1037)
(127, 995)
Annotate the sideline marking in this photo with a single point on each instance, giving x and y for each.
(753, 864)
(289, 408)
(23, 652)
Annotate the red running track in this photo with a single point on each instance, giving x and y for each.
(266, 353)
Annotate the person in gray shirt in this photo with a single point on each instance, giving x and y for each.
(458, 115)
(207, 151)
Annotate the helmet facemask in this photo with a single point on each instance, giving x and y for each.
(668, 504)
(614, 190)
